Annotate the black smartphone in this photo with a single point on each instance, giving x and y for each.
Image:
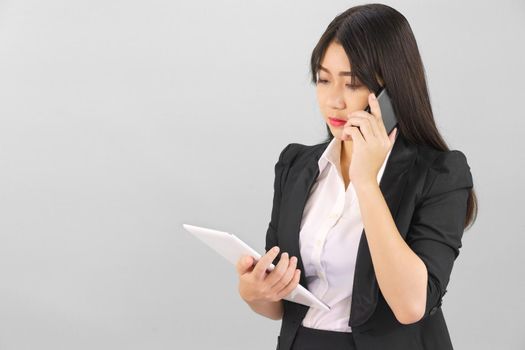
(387, 111)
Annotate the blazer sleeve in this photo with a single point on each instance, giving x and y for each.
(280, 169)
(437, 225)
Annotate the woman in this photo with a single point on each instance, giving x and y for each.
(371, 223)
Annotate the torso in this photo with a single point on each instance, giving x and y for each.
(344, 163)
(345, 174)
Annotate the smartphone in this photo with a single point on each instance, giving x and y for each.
(387, 111)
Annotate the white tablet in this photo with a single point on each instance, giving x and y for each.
(232, 248)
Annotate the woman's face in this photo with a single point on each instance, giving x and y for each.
(336, 95)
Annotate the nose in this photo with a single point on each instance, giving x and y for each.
(335, 98)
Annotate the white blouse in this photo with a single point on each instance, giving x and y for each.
(331, 228)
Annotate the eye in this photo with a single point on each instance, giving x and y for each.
(353, 86)
(350, 86)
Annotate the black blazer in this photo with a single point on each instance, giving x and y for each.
(426, 191)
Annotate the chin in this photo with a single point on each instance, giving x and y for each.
(337, 134)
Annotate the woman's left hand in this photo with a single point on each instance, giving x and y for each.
(370, 146)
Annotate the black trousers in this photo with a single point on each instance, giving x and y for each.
(321, 339)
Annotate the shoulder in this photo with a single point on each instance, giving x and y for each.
(446, 170)
(298, 153)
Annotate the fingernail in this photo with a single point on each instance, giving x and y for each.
(276, 249)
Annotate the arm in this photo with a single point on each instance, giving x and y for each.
(413, 275)
(400, 273)
(271, 232)
(438, 224)
(272, 309)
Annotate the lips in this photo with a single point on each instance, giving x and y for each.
(337, 119)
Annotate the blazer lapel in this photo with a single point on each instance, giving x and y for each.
(295, 204)
(365, 288)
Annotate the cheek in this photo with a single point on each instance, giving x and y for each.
(353, 100)
(363, 97)
(321, 99)
(319, 94)
(357, 101)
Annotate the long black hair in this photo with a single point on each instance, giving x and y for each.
(378, 41)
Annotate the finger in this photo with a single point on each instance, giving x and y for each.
(392, 136)
(367, 125)
(356, 135)
(288, 275)
(244, 264)
(279, 270)
(375, 110)
(291, 286)
(374, 123)
(363, 124)
(264, 262)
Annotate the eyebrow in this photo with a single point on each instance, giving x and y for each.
(340, 73)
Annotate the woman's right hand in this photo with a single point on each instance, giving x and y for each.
(256, 284)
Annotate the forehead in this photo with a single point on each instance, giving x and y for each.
(335, 59)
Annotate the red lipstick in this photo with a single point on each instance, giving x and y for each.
(336, 122)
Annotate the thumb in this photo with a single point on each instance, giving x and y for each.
(248, 261)
(244, 264)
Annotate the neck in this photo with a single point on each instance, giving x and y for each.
(346, 151)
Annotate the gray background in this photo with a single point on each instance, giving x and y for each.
(121, 120)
